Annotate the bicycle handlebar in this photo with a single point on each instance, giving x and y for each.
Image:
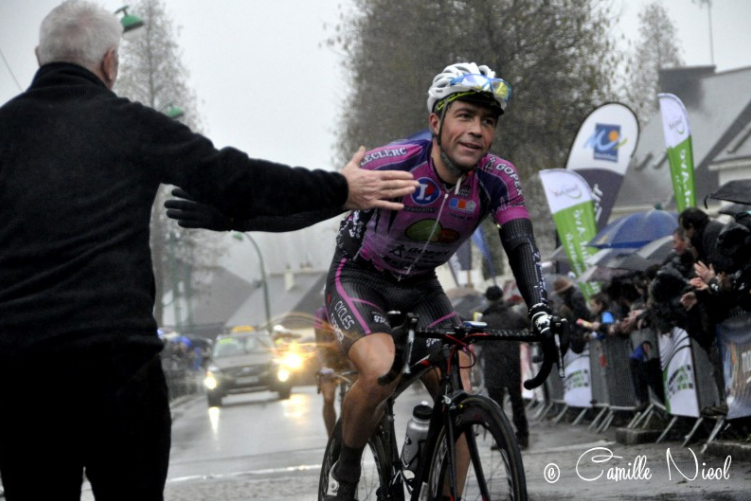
(553, 347)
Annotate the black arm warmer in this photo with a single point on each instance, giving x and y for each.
(280, 224)
(524, 258)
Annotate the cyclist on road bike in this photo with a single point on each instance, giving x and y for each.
(332, 361)
(385, 260)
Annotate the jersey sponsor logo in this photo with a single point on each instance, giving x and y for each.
(339, 333)
(421, 210)
(354, 226)
(427, 193)
(401, 250)
(378, 318)
(398, 251)
(605, 142)
(462, 205)
(510, 172)
(343, 316)
(376, 155)
(430, 230)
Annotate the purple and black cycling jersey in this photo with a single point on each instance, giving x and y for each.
(436, 219)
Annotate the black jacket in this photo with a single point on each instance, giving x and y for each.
(79, 171)
(502, 357)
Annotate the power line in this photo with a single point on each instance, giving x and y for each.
(10, 70)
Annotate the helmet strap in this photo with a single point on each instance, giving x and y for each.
(452, 168)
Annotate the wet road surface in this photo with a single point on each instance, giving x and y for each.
(259, 447)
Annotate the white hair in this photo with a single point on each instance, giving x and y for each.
(78, 32)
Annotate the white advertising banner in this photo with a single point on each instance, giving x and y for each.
(678, 374)
(578, 382)
(680, 150)
(570, 202)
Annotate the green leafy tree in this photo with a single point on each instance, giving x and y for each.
(152, 73)
(556, 54)
(657, 47)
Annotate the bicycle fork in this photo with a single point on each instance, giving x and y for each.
(444, 416)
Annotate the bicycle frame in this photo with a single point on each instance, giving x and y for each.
(455, 414)
(450, 396)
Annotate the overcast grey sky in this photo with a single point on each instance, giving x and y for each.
(242, 55)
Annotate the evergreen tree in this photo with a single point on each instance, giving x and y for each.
(152, 73)
(657, 47)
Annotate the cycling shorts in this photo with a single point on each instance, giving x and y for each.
(358, 298)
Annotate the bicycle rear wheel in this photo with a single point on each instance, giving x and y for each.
(378, 481)
(492, 474)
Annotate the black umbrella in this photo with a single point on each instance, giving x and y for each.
(738, 191)
(733, 209)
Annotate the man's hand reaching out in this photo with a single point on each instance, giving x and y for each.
(371, 189)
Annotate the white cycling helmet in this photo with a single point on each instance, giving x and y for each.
(469, 82)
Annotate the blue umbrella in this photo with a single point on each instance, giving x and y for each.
(636, 230)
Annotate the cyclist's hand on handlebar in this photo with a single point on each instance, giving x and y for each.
(191, 214)
(549, 326)
(542, 320)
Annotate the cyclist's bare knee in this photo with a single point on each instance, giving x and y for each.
(373, 356)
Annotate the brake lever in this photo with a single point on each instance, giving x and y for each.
(560, 339)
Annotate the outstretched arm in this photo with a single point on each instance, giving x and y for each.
(191, 214)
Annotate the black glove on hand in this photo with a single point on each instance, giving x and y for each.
(191, 214)
(542, 317)
(546, 324)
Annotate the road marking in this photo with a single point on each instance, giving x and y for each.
(268, 471)
(565, 448)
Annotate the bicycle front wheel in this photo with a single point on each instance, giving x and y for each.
(378, 481)
(494, 473)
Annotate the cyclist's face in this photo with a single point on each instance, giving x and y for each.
(467, 133)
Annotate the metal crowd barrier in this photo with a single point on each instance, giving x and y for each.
(656, 406)
(600, 395)
(707, 395)
(555, 392)
(613, 391)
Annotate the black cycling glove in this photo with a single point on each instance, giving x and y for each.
(191, 214)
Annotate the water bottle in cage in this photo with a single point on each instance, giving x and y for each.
(417, 430)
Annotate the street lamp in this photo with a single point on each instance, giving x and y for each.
(264, 282)
(129, 21)
(172, 111)
(175, 281)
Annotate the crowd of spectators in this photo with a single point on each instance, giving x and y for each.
(184, 360)
(705, 279)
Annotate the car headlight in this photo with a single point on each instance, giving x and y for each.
(283, 375)
(292, 361)
(210, 381)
